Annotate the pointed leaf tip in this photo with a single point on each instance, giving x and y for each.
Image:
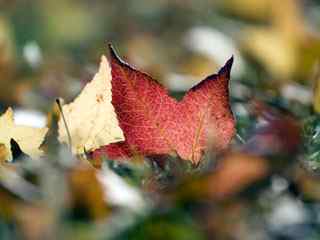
(91, 118)
(154, 123)
(226, 69)
(111, 49)
(114, 55)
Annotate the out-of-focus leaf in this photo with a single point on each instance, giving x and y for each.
(62, 16)
(235, 173)
(4, 152)
(284, 47)
(28, 138)
(87, 197)
(277, 53)
(309, 184)
(280, 135)
(7, 62)
(249, 9)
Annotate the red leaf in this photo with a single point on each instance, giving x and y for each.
(155, 123)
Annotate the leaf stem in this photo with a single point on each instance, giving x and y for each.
(65, 123)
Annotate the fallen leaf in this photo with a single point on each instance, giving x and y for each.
(236, 172)
(272, 49)
(86, 192)
(286, 47)
(247, 9)
(91, 118)
(155, 123)
(232, 175)
(3, 153)
(280, 133)
(29, 139)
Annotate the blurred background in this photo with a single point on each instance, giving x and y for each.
(51, 49)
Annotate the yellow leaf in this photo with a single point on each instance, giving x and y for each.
(91, 118)
(286, 47)
(28, 138)
(271, 48)
(3, 153)
(249, 9)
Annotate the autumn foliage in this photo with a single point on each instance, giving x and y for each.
(201, 122)
(154, 123)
